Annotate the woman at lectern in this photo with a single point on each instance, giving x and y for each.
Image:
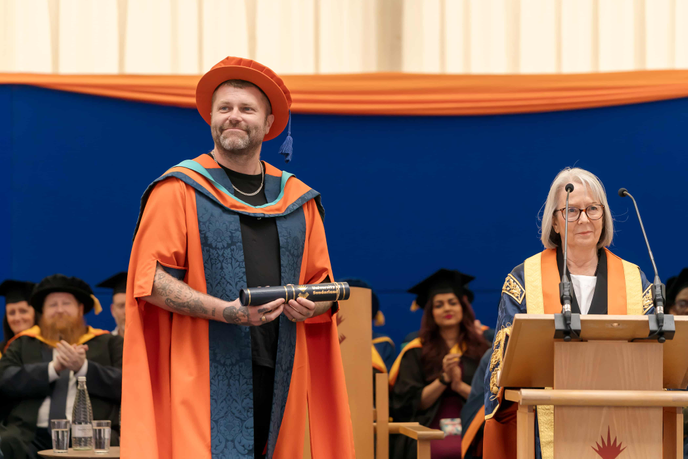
(430, 380)
(602, 283)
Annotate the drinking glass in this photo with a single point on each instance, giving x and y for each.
(60, 431)
(101, 436)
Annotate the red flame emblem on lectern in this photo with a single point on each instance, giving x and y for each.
(608, 450)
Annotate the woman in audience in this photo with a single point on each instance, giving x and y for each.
(19, 315)
(430, 380)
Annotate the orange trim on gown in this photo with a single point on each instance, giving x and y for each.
(616, 284)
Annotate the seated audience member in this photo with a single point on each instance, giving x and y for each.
(468, 297)
(118, 284)
(382, 344)
(39, 370)
(19, 314)
(430, 380)
(677, 294)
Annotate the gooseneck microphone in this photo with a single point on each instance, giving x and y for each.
(658, 289)
(565, 284)
(562, 322)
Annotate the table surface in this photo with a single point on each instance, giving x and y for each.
(114, 452)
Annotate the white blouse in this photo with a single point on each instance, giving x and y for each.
(584, 287)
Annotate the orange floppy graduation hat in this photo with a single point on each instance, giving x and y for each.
(237, 68)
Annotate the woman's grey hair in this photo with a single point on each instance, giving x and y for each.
(550, 239)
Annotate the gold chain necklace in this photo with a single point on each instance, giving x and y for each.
(262, 178)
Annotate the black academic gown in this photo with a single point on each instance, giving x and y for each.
(24, 381)
(405, 399)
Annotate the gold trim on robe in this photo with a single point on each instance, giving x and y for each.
(634, 289)
(532, 272)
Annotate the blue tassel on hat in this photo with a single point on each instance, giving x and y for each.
(287, 147)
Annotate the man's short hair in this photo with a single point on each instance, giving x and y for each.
(241, 84)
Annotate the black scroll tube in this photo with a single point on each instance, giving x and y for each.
(334, 291)
(566, 324)
(661, 326)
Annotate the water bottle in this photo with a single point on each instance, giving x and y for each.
(82, 418)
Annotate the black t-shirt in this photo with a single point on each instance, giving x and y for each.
(260, 241)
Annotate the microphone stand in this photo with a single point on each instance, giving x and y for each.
(661, 326)
(566, 324)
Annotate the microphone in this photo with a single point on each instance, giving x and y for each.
(565, 323)
(565, 284)
(658, 289)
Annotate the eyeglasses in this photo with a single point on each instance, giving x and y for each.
(593, 211)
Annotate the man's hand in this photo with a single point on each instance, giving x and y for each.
(57, 363)
(252, 316)
(70, 357)
(299, 309)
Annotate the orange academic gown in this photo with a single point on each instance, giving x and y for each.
(187, 389)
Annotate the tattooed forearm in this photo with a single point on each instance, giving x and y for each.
(236, 315)
(174, 295)
(162, 282)
(178, 295)
(193, 305)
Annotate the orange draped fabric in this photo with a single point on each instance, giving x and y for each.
(401, 93)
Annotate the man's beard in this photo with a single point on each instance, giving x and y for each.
(246, 144)
(65, 328)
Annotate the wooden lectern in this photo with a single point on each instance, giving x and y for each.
(608, 389)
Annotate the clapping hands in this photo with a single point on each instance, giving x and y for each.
(69, 356)
(451, 368)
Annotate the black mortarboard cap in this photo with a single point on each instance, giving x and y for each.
(442, 281)
(675, 285)
(15, 291)
(61, 283)
(118, 283)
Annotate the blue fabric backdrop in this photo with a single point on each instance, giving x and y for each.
(404, 196)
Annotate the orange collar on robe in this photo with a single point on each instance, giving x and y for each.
(616, 281)
(394, 372)
(294, 189)
(35, 332)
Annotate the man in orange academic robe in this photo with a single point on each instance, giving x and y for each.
(204, 376)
